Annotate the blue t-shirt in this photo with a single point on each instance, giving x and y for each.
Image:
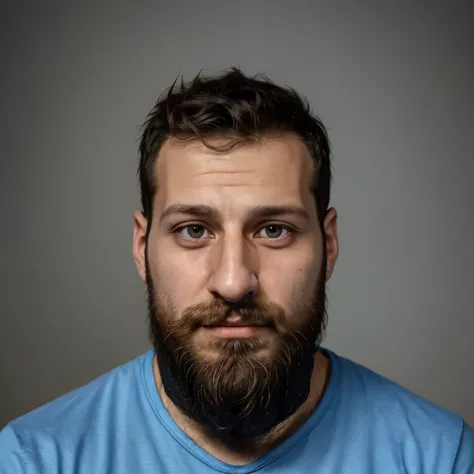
(117, 424)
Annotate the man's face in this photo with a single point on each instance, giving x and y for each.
(235, 268)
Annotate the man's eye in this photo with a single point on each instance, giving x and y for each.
(274, 231)
(197, 231)
(192, 231)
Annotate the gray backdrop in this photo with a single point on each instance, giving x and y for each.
(393, 81)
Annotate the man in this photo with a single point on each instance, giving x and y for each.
(235, 243)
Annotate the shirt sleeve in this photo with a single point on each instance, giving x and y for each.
(464, 462)
(10, 453)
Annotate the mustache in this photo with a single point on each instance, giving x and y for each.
(216, 313)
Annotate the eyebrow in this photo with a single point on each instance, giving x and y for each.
(209, 212)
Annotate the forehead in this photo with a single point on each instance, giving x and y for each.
(271, 170)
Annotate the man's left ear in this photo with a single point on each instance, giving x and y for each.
(332, 241)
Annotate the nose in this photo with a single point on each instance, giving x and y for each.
(234, 275)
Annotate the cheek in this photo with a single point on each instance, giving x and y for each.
(176, 278)
(291, 281)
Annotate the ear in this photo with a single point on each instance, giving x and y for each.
(332, 241)
(139, 243)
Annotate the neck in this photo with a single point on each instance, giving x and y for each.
(244, 451)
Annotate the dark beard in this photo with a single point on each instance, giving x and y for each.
(237, 394)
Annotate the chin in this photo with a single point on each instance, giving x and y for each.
(219, 349)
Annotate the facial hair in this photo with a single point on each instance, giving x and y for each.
(237, 395)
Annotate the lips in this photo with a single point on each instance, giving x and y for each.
(236, 327)
(236, 322)
(235, 331)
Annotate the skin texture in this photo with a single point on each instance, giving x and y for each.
(234, 254)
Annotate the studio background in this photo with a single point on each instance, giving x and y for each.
(393, 82)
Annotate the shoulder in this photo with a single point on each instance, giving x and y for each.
(74, 407)
(37, 437)
(392, 401)
(400, 417)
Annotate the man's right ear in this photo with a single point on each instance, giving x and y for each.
(140, 223)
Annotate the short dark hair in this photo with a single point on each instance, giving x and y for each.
(240, 106)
